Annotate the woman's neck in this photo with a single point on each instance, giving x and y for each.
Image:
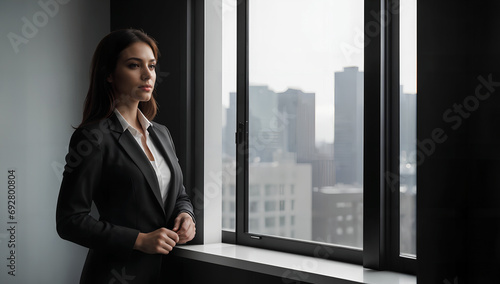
(129, 112)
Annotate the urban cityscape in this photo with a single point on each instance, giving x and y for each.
(303, 189)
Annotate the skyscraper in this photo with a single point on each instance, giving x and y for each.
(280, 188)
(265, 132)
(299, 108)
(348, 140)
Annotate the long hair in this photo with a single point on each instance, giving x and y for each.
(100, 101)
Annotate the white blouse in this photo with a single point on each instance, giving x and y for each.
(159, 164)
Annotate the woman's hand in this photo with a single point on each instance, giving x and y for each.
(161, 241)
(184, 227)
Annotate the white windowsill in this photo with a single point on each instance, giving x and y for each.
(290, 266)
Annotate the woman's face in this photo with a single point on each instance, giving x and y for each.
(134, 77)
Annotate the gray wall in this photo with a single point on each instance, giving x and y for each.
(45, 52)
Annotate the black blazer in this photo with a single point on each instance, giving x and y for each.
(107, 166)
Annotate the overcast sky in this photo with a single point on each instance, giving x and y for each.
(301, 44)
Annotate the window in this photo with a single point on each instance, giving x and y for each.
(282, 205)
(314, 107)
(228, 17)
(271, 190)
(270, 206)
(408, 128)
(305, 105)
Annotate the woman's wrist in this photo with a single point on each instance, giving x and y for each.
(138, 241)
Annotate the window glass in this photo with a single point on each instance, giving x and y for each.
(408, 127)
(228, 17)
(306, 119)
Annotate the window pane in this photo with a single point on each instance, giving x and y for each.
(306, 119)
(408, 127)
(229, 116)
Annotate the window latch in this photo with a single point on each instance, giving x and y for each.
(238, 139)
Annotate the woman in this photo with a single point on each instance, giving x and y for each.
(127, 166)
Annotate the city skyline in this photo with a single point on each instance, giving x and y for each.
(306, 53)
(281, 139)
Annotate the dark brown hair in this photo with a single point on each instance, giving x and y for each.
(100, 100)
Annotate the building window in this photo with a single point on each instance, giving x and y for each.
(271, 189)
(282, 189)
(282, 205)
(270, 206)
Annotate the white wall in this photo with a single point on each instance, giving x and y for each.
(212, 230)
(45, 52)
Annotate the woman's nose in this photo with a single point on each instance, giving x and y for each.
(147, 73)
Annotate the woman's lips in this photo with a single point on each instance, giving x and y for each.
(146, 88)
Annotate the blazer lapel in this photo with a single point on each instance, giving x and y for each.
(166, 149)
(129, 144)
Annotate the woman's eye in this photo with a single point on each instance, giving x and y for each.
(133, 65)
(152, 67)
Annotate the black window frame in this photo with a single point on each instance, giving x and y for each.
(381, 224)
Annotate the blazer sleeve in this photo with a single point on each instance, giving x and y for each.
(183, 202)
(81, 178)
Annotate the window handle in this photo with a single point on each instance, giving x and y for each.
(239, 135)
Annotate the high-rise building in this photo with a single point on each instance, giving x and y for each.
(266, 134)
(338, 215)
(279, 199)
(277, 122)
(281, 127)
(348, 139)
(299, 120)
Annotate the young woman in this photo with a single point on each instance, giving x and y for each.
(126, 164)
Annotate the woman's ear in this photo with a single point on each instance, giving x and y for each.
(110, 78)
